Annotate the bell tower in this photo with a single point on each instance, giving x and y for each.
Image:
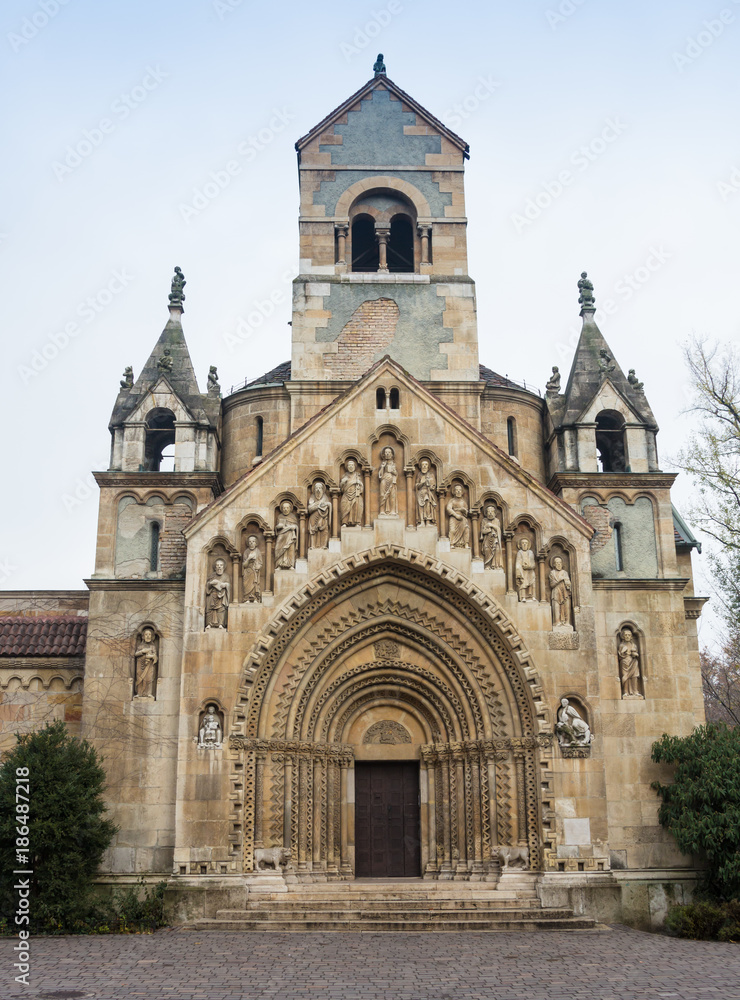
(383, 249)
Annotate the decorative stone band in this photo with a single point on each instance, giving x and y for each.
(337, 753)
(584, 751)
(489, 749)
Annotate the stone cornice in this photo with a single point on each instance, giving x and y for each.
(612, 481)
(112, 584)
(693, 606)
(265, 390)
(44, 595)
(673, 583)
(162, 480)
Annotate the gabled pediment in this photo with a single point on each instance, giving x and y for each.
(608, 397)
(161, 395)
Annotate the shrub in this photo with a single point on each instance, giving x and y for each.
(706, 921)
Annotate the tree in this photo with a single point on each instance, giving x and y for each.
(701, 808)
(720, 676)
(68, 833)
(712, 457)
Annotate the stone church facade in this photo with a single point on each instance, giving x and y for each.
(389, 614)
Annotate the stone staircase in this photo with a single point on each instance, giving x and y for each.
(396, 905)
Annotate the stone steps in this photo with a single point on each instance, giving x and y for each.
(511, 920)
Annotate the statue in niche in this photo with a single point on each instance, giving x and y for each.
(570, 727)
(252, 572)
(457, 512)
(210, 733)
(629, 664)
(490, 539)
(426, 493)
(524, 570)
(560, 594)
(286, 537)
(146, 658)
(351, 505)
(218, 595)
(552, 386)
(388, 476)
(127, 382)
(319, 517)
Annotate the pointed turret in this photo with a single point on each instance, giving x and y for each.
(163, 401)
(603, 421)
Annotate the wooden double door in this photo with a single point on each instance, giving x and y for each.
(387, 824)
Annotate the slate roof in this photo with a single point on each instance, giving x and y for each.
(683, 534)
(55, 635)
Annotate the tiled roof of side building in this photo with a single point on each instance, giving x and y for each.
(282, 374)
(57, 635)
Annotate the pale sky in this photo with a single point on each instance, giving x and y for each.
(603, 137)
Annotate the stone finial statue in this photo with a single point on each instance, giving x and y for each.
(127, 382)
(552, 386)
(177, 296)
(379, 65)
(319, 517)
(586, 292)
(146, 658)
(388, 476)
(490, 539)
(218, 594)
(524, 570)
(605, 366)
(252, 572)
(560, 594)
(571, 729)
(459, 526)
(210, 733)
(351, 505)
(286, 537)
(166, 362)
(214, 389)
(632, 379)
(629, 664)
(426, 493)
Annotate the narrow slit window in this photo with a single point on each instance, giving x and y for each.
(154, 548)
(511, 436)
(618, 557)
(380, 399)
(260, 436)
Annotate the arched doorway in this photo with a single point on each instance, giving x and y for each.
(390, 682)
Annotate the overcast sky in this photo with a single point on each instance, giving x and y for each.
(603, 137)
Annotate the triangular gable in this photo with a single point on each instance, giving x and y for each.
(162, 388)
(607, 383)
(374, 84)
(325, 416)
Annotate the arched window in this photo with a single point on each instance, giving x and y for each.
(618, 557)
(380, 399)
(365, 254)
(395, 399)
(160, 434)
(511, 436)
(154, 547)
(401, 246)
(610, 442)
(260, 436)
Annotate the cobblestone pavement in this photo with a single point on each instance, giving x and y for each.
(616, 964)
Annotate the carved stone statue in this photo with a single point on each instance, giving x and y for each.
(319, 517)
(166, 362)
(252, 572)
(177, 296)
(351, 505)
(388, 476)
(210, 733)
(634, 382)
(286, 537)
(552, 386)
(605, 366)
(218, 595)
(426, 493)
(214, 389)
(379, 65)
(560, 594)
(457, 512)
(524, 570)
(629, 664)
(146, 658)
(570, 727)
(586, 290)
(490, 539)
(127, 382)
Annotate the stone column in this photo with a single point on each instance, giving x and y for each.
(236, 575)
(288, 805)
(382, 236)
(441, 498)
(335, 525)
(477, 804)
(446, 868)
(270, 561)
(341, 232)
(259, 781)
(302, 813)
(302, 534)
(458, 762)
(475, 528)
(509, 537)
(331, 803)
(344, 806)
(366, 472)
(541, 556)
(319, 805)
(428, 776)
(521, 799)
(410, 504)
(424, 233)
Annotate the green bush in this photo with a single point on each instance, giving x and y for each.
(701, 807)
(706, 921)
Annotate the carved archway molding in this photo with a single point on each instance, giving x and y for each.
(486, 620)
